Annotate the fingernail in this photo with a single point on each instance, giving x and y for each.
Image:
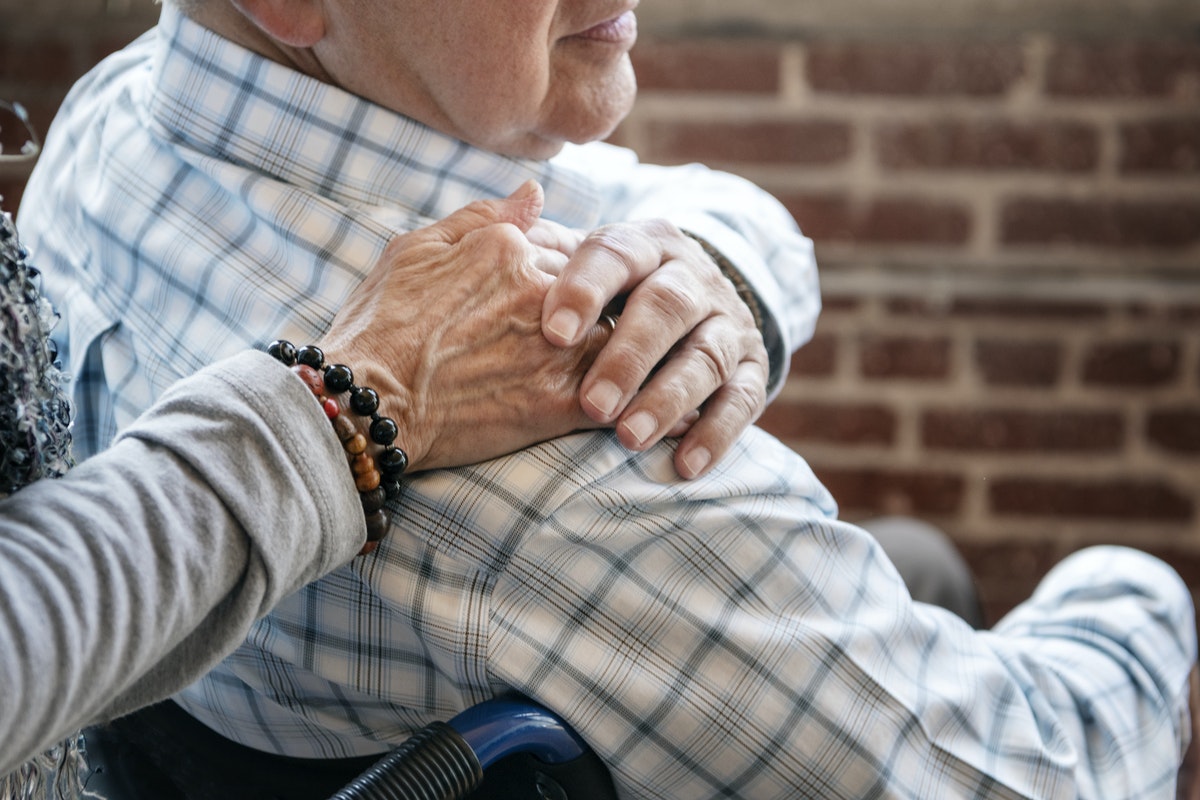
(604, 396)
(564, 323)
(642, 425)
(696, 461)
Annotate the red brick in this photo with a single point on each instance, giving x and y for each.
(1185, 562)
(1024, 308)
(1060, 431)
(11, 190)
(1007, 572)
(1174, 314)
(1115, 499)
(1176, 430)
(712, 65)
(905, 357)
(916, 307)
(878, 491)
(894, 220)
(48, 60)
(888, 68)
(1124, 68)
(843, 423)
(100, 47)
(1108, 223)
(1019, 363)
(1161, 146)
(990, 145)
(823, 217)
(914, 221)
(1131, 363)
(818, 358)
(1001, 308)
(41, 105)
(13, 134)
(838, 303)
(794, 142)
(1024, 560)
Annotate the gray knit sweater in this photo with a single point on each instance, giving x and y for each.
(128, 578)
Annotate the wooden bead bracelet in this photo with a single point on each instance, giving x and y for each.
(377, 478)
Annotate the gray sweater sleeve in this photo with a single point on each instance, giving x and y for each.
(129, 578)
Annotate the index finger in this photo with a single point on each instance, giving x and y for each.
(609, 262)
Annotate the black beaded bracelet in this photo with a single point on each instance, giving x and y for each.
(376, 478)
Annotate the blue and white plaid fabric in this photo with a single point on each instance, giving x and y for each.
(725, 637)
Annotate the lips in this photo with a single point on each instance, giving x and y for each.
(621, 29)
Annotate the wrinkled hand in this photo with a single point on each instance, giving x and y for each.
(1187, 786)
(447, 328)
(685, 357)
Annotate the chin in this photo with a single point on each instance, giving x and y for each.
(589, 116)
(597, 128)
(542, 148)
(533, 146)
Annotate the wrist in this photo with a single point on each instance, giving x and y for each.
(368, 437)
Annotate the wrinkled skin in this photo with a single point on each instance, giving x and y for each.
(438, 323)
(679, 311)
(521, 78)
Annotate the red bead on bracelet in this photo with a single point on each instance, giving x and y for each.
(377, 480)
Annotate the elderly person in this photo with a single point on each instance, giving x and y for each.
(130, 575)
(222, 182)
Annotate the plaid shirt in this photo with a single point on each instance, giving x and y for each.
(721, 637)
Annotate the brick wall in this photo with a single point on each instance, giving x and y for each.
(1009, 234)
(1007, 215)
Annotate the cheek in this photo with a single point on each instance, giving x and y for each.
(585, 103)
(499, 93)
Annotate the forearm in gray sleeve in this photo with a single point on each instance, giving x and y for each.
(130, 577)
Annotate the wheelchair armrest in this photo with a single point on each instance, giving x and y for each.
(528, 743)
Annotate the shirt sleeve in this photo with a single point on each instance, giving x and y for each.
(1108, 640)
(729, 638)
(131, 576)
(745, 223)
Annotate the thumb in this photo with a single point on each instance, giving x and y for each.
(521, 208)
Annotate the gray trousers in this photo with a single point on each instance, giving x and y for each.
(932, 569)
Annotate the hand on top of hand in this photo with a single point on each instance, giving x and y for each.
(447, 329)
(477, 349)
(685, 358)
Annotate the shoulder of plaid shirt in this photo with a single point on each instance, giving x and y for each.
(722, 637)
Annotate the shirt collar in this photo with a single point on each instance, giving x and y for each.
(224, 101)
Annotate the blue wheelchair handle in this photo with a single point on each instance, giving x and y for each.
(445, 760)
(501, 727)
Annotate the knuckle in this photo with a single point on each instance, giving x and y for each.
(746, 399)
(628, 366)
(501, 247)
(725, 298)
(607, 243)
(661, 230)
(583, 296)
(754, 349)
(671, 300)
(719, 355)
(714, 363)
(674, 397)
(507, 238)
